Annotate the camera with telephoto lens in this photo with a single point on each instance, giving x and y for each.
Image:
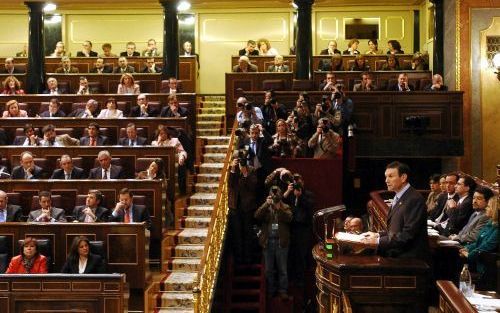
(283, 148)
(248, 107)
(242, 157)
(240, 132)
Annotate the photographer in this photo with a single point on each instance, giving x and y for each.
(300, 124)
(272, 111)
(284, 142)
(280, 177)
(246, 111)
(242, 204)
(274, 238)
(324, 110)
(325, 141)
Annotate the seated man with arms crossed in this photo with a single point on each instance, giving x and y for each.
(46, 213)
(92, 211)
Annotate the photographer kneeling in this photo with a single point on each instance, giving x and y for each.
(325, 141)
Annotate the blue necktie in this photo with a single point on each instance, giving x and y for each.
(2, 216)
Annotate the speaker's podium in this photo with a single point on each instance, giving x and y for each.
(369, 283)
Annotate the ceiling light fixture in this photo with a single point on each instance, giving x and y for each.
(49, 7)
(183, 6)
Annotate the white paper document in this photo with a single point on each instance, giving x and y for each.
(341, 236)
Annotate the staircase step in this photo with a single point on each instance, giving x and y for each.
(208, 132)
(212, 110)
(200, 210)
(206, 168)
(186, 236)
(215, 140)
(168, 300)
(208, 124)
(184, 251)
(207, 187)
(213, 104)
(215, 148)
(178, 281)
(214, 157)
(183, 265)
(208, 178)
(195, 222)
(202, 199)
(210, 117)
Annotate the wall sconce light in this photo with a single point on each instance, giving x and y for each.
(183, 6)
(496, 64)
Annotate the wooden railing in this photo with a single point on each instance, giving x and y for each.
(204, 287)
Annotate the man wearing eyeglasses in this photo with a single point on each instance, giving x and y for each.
(142, 109)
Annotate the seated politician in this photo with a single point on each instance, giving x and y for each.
(8, 212)
(111, 111)
(29, 261)
(27, 168)
(81, 261)
(437, 84)
(366, 83)
(173, 109)
(86, 50)
(151, 66)
(132, 138)
(244, 65)
(94, 138)
(66, 67)
(90, 110)
(100, 67)
(29, 139)
(123, 66)
(92, 211)
(51, 140)
(127, 85)
(155, 170)
(126, 212)
(142, 109)
(52, 87)
(47, 213)
(12, 110)
(106, 170)
(402, 84)
(68, 170)
(54, 109)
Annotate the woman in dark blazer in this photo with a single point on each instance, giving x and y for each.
(29, 261)
(81, 261)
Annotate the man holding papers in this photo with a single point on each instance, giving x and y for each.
(406, 235)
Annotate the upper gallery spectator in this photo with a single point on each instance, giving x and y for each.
(92, 211)
(94, 138)
(478, 219)
(173, 109)
(352, 47)
(127, 85)
(151, 49)
(123, 66)
(265, 48)
(132, 138)
(90, 110)
(445, 200)
(406, 235)
(29, 261)
(173, 87)
(373, 47)
(275, 216)
(106, 170)
(331, 50)
(9, 67)
(187, 48)
(244, 65)
(278, 65)
(59, 50)
(52, 87)
(360, 64)
(151, 66)
(126, 212)
(155, 170)
(335, 64)
(325, 141)
(29, 139)
(66, 67)
(130, 51)
(54, 109)
(111, 111)
(100, 67)
(329, 83)
(437, 84)
(51, 140)
(81, 261)
(249, 49)
(67, 170)
(165, 138)
(247, 111)
(142, 109)
(12, 86)
(86, 50)
(23, 53)
(434, 194)
(12, 110)
(366, 83)
(392, 64)
(418, 62)
(27, 169)
(8, 212)
(106, 49)
(83, 88)
(46, 213)
(394, 47)
(402, 84)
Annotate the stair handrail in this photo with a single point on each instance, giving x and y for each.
(204, 285)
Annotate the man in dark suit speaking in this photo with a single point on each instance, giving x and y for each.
(406, 235)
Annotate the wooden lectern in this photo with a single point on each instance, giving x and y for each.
(350, 283)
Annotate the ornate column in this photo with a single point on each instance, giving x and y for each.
(35, 79)
(170, 39)
(303, 46)
(438, 53)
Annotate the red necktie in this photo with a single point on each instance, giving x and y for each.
(92, 141)
(126, 218)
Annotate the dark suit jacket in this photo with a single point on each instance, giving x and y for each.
(55, 213)
(457, 218)
(105, 69)
(139, 214)
(130, 69)
(139, 141)
(91, 54)
(157, 69)
(263, 154)
(166, 112)
(284, 68)
(244, 52)
(59, 89)
(95, 265)
(72, 70)
(101, 141)
(326, 65)
(59, 113)
(15, 71)
(135, 54)
(347, 52)
(76, 173)
(14, 213)
(428, 88)
(325, 51)
(242, 194)
(406, 235)
(136, 112)
(101, 214)
(116, 172)
(251, 69)
(18, 173)
(440, 203)
(19, 141)
(80, 112)
(396, 87)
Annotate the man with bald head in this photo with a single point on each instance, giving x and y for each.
(27, 168)
(90, 110)
(8, 212)
(437, 84)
